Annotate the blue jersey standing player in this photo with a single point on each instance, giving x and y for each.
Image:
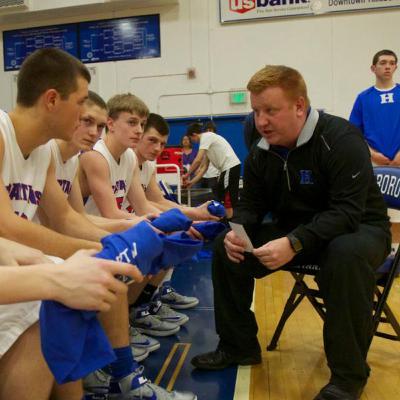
(376, 111)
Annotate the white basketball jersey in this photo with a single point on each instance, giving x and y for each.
(120, 175)
(23, 178)
(146, 171)
(65, 171)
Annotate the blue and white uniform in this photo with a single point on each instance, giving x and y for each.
(24, 180)
(377, 113)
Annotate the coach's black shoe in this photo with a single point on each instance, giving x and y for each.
(333, 392)
(220, 359)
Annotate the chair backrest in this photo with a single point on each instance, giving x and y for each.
(167, 191)
(171, 178)
(388, 179)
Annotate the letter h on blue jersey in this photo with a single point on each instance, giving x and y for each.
(306, 177)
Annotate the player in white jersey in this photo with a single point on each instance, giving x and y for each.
(108, 176)
(108, 173)
(52, 86)
(66, 157)
(215, 149)
(149, 147)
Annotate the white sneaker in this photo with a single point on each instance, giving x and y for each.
(170, 297)
(140, 341)
(148, 324)
(136, 387)
(139, 354)
(167, 314)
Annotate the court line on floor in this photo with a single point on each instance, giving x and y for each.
(166, 364)
(243, 377)
(178, 367)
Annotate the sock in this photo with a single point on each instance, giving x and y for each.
(168, 275)
(123, 365)
(145, 296)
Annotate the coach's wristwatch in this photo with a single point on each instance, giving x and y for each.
(295, 243)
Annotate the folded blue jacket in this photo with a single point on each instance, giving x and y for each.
(73, 342)
(138, 245)
(178, 247)
(171, 221)
(209, 229)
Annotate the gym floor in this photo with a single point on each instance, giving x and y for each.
(295, 371)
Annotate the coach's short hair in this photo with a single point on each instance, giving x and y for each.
(286, 78)
(45, 69)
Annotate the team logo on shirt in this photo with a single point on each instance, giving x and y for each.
(119, 186)
(21, 191)
(65, 185)
(306, 177)
(387, 98)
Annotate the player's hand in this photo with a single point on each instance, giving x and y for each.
(275, 253)
(201, 213)
(89, 283)
(234, 247)
(379, 158)
(396, 160)
(195, 234)
(13, 253)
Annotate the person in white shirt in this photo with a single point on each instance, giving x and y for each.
(215, 149)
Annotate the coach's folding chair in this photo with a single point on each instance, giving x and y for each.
(388, 179)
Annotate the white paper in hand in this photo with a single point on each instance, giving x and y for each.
(239, 230)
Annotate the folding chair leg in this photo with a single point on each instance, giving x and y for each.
(292, 302)
(392, 321)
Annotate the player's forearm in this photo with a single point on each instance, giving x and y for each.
(146, 208)
(164, 204)
(20, 284)
(42, 238)
(78, 226)
(113, 225)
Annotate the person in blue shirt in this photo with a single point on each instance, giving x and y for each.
(376, 111)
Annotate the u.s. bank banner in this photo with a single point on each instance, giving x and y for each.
(244, 10)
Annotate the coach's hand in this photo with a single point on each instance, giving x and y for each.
(275, 253)
(234, 247)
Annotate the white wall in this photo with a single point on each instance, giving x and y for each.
(333, 52)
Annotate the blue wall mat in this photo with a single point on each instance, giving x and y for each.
(228, 126)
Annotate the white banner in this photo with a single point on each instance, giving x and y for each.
(244, 10)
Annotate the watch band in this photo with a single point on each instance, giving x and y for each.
(295, 243)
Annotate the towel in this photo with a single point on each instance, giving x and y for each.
(209, 229)
(73, 342)
(178, 247)
(171, 221)
(138, 245)
(216, 208)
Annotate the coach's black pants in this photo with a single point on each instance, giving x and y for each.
(346, 282)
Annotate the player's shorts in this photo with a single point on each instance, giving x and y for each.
(15, 319)
(228, 187)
